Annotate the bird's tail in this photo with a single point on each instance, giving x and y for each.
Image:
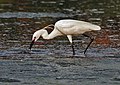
(97, 28)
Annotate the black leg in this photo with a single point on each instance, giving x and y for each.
(72, 45)
(89, 43)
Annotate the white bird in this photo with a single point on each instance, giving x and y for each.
(67, 27)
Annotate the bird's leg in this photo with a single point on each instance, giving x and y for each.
(89, 43)
(72, 45)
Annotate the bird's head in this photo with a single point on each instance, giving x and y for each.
(35, 37)
(42, 32)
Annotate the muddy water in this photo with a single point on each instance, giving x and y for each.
(51, 62)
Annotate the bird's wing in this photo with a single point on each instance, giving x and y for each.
(63, 28)
(65, 25)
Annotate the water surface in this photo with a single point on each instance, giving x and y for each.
(51, 62)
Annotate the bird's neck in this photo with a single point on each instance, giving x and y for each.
(45, 34)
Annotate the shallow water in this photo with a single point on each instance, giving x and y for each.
(51, 62)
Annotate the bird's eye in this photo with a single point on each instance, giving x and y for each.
(34, 38)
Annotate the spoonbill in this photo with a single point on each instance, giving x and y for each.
(66, 27)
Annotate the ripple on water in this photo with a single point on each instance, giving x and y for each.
(32, 15)
(9, 80)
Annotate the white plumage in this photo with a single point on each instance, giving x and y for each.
(66, 27)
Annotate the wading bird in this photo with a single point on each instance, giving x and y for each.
(67, 27)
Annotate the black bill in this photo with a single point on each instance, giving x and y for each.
(31, 44)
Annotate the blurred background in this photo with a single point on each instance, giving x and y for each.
(19, 19)
(50, 63)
